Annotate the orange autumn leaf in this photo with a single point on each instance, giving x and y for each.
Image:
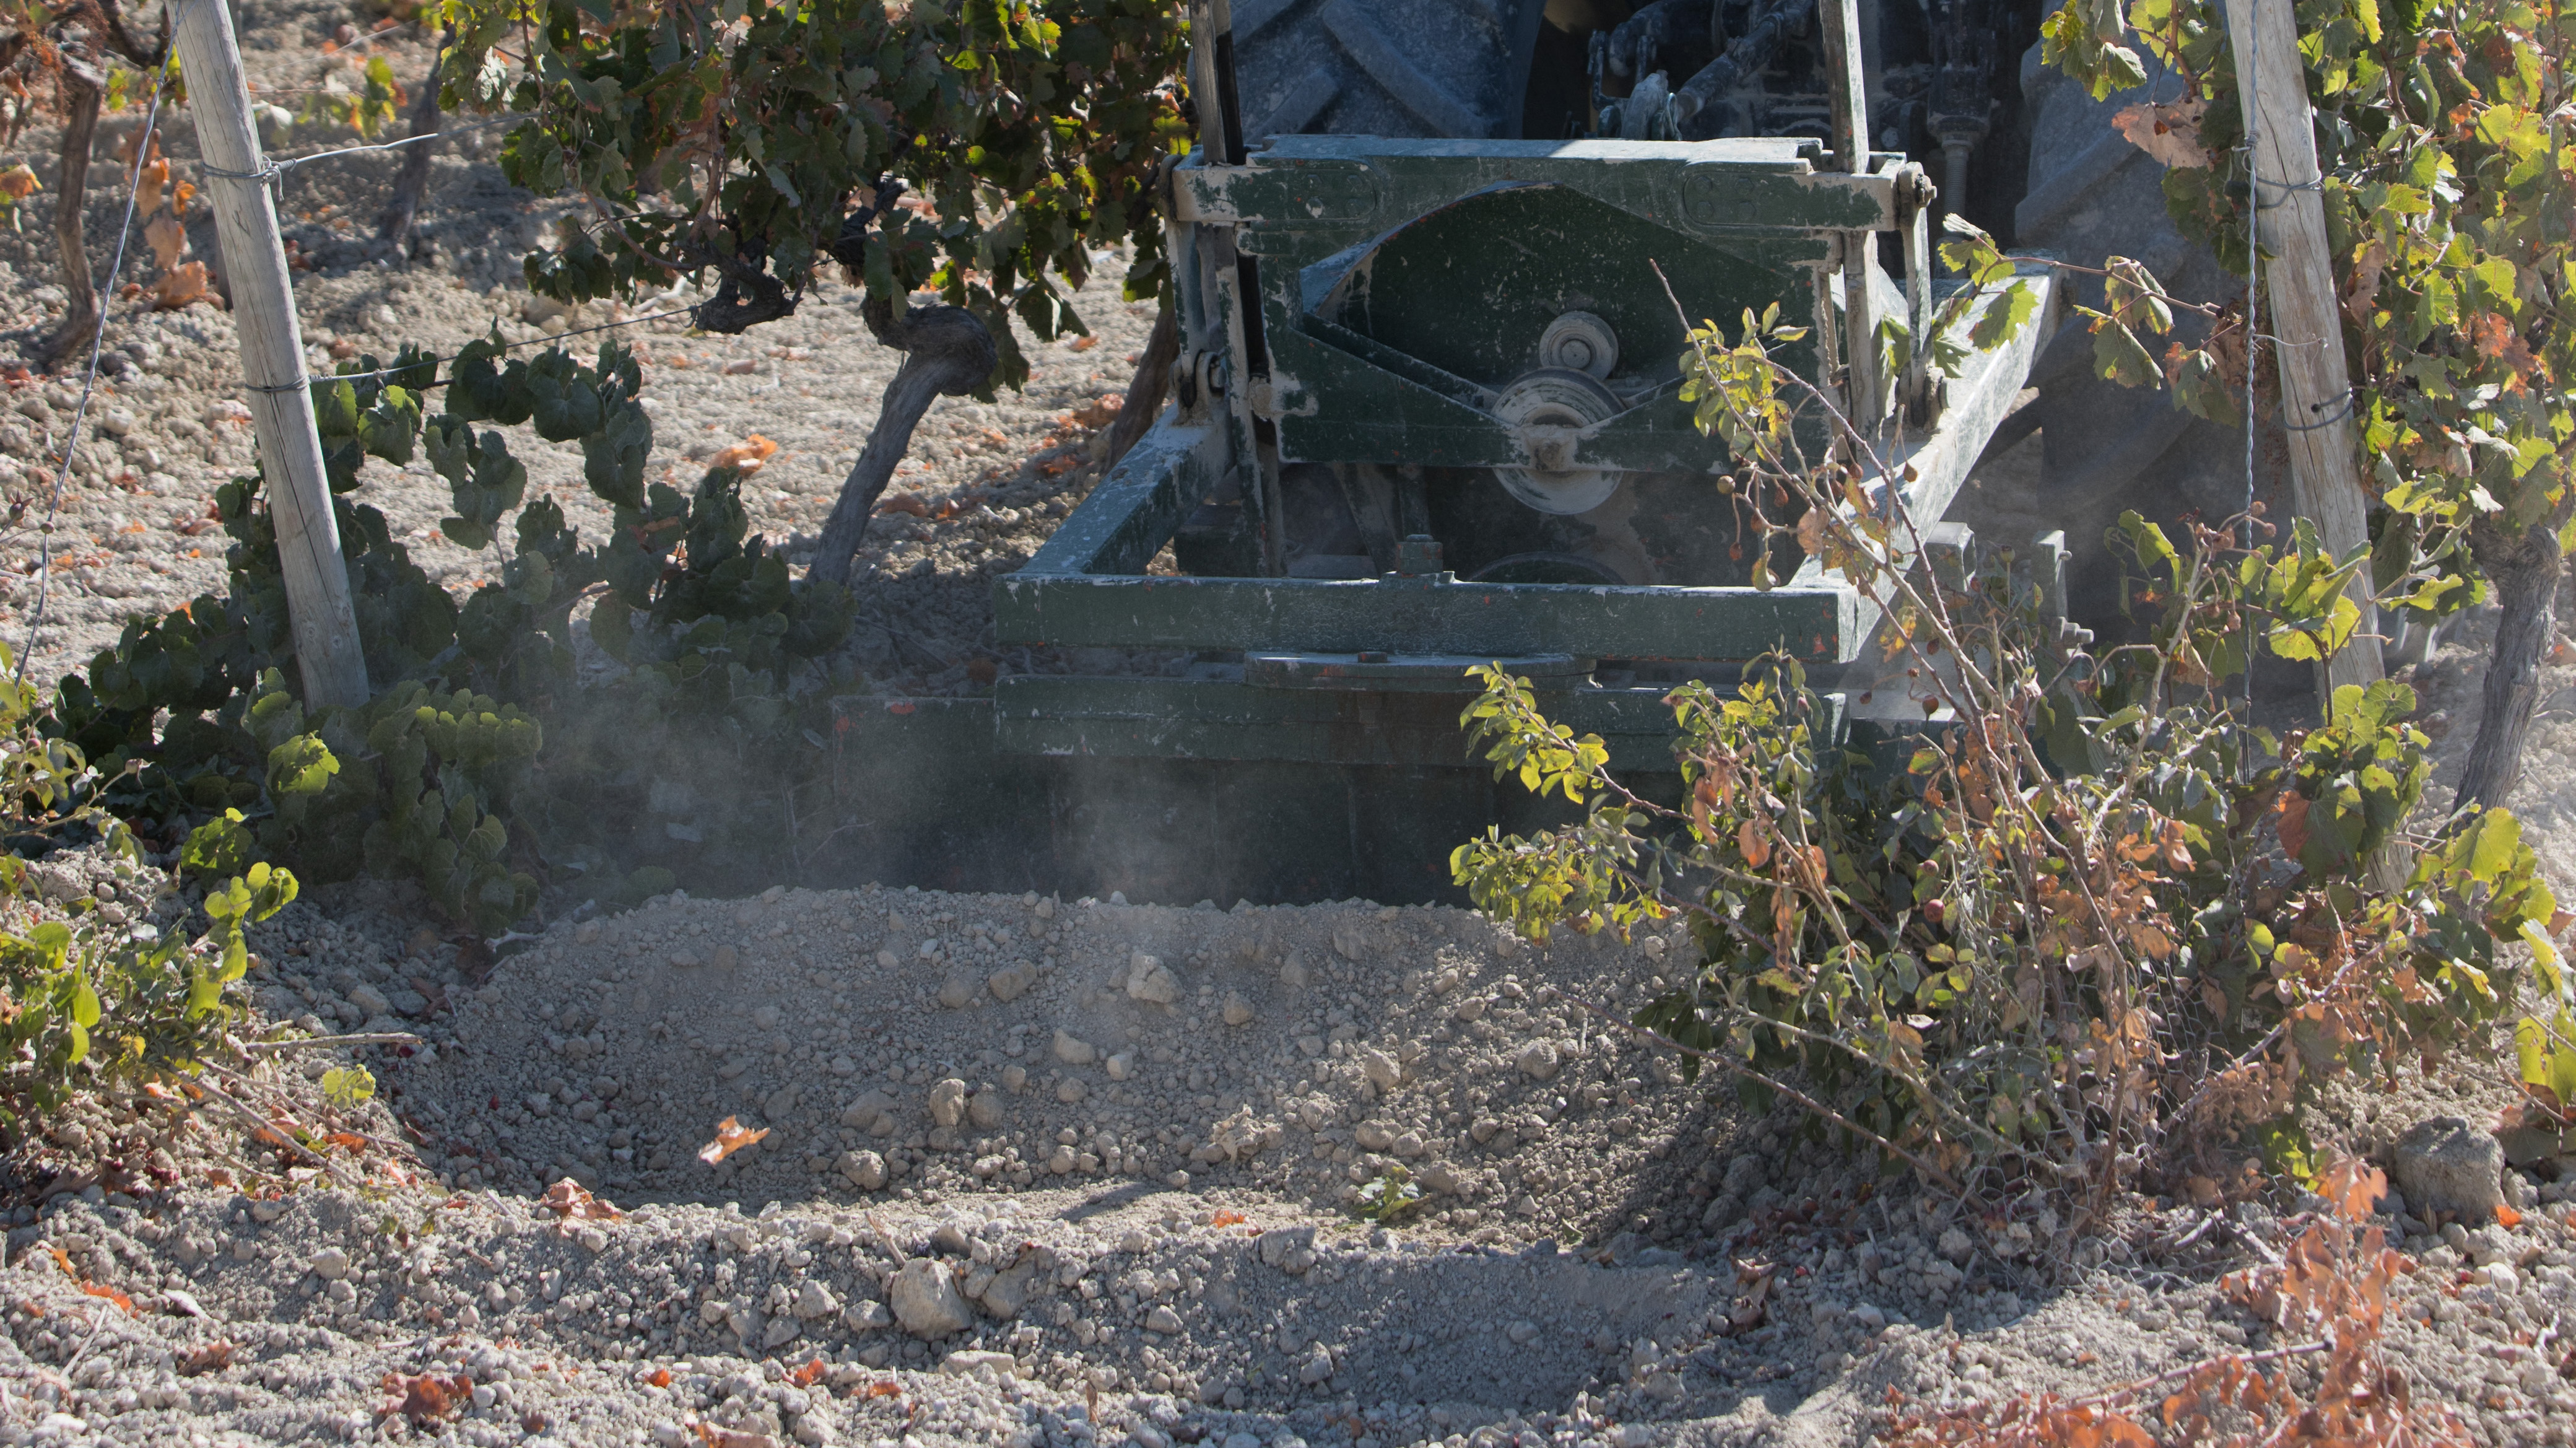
(149, 184)
(2507, 1217)
(888, 1389)
(1085, 344)
(18, 183)
(573, 1204)
(214, 1357)
(182, 286)
(1225, 1219)
(425, 1399)
(1755, 844)
(180, 195)
(110, 1294)
(746, 456)
(659, 1377)
(731, 1136)
(904, 503)
(808, 1375)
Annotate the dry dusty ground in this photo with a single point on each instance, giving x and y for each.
(1037, 1171)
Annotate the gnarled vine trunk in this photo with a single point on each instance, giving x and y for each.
(393, 224)
(83, 87)
(946, 353)
(2525, 568)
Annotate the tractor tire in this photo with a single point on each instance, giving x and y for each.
(1456, 69)
(2107, 448)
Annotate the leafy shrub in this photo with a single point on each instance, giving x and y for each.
(2094, 915)
(478, 767)
(87, 1004)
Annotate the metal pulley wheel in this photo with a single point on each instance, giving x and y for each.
(1545, 409)
(1579, 342)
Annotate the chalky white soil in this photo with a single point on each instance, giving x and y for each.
(1078, 1172)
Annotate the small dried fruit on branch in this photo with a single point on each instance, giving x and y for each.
(731, 1136)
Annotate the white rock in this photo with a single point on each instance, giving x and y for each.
(814, 1299)
(765, 1018)
(1012, 981)
(1162, 1319)
(1538, 1059)
(957, 992)
(1073, 1050)
(926, 1301)
(1316, 1368)
(1382, 1069)
(1293, 973)
(866, 1316)
(1238, 1011)
(781, 1329)
(1121, 1065)
(968, 1362)
(867, 1113)
(1523, 1332)
(984, 1109)
(369, 999)
(331, 1263)
(865, 1170)
(1350, 940)
(1150, 980)
(948, 1102)
(1958, 1246)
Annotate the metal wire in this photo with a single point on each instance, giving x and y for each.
(272, 170)
(89, 384)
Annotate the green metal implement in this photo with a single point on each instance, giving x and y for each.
(1427, 415)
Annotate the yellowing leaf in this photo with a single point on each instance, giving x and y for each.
(731, 1136)
(18, 183)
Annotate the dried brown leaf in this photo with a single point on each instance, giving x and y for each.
(168, 238)
(731, 1136)
(2169, 133)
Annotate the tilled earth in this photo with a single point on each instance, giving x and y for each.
(1081, 1172)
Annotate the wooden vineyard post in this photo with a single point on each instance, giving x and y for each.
(2316, 386)
(325, 625)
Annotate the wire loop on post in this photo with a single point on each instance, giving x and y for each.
(2343, 410)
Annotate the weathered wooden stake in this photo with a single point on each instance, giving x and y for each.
(2316, 386)
(272, 344)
